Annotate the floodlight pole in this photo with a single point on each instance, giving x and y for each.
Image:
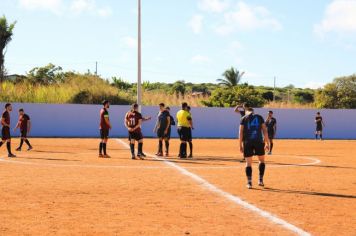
(274, 89)
(139, 87)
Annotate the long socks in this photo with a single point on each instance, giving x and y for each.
(28, 143)
(8, 145)
(101, 148)
(191, 148)
(140, 146)
(104, 148)
(167, 146)
(271, 147)
(132, 148)
(160, 146)
(248, 171)
(1, 143)
(21, 143)
(262, 168)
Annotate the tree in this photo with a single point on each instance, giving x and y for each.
(341, 93)
(232, 77)
(46, 75)
(178, 88)
(237, 95)
(6, 32)
(120, 83)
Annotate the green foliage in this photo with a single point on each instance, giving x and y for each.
(6, 33)
(46, 75)
(222, 97)
(232, 77)
(178, 88)
(120, 83)
(303, 96)
(341, 93)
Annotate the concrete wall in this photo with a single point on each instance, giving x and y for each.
(57, 120)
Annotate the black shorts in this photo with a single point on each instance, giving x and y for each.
(161, 134)
(254, 149)
(104, 133)
(23, 133)
(183, 133)
(5, 133)
(136, 135)
(319, 128)
(271, 135)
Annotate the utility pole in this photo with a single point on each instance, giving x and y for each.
(274, 89)
(96, 68)
(139, 88)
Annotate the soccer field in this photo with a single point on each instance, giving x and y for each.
(62, 188)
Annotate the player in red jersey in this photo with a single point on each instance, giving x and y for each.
(5, 123)
(104, 127)
(133, 122)
(24, 124)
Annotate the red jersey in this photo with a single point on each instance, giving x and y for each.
(132, 119)
(104, 114)
(6, 116)
(23, 120)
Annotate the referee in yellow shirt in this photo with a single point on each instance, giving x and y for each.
(184, 125)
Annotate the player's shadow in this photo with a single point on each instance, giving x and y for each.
(59, 152)
(215, 158)
(307, 165)
(307, 193)
(46, 159)
(183, 161)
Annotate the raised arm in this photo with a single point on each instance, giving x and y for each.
(265, 134)
(237, 108)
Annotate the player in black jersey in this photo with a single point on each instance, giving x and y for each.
(253, 141)
(319, 126)
(271, 124)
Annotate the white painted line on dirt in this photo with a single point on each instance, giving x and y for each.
(204, 183)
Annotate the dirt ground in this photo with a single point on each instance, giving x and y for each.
(62, 188)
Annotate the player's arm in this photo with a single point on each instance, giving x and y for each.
(106, 118)
(241, 138)
(138, 125)
(275, 129)
(29, 126)
(3, 122)
(265, 134)
(146, 118)
(237, 108)
(168, 124)
(126, 121)
(17, 125)
(190, 121)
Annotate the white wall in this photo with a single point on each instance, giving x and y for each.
(55, 120)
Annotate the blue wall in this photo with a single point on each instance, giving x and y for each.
(57, 120)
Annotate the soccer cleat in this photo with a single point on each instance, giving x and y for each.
(11, 155)
(249, 186)
(101, 155)
(107, 156)
(260, 183)
(269, 153)
(159, 154)
(190, 156)
(18, 149)
(133, 157)
(167, 154)
(142, 154)
(29, 148)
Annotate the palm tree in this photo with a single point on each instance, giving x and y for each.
(232, 77)
(6, 32)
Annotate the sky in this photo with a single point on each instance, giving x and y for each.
(304, 43)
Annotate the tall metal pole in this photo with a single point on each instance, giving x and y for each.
(96, 68)
(139, 88)
(274, 89)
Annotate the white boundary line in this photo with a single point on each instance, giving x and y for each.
(204, 183)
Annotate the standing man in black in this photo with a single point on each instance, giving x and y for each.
(162, 127)
(171, 123)
(6, 135)
(319, 126)
(271, 124)
(241, 109)
(104, 127)
(24, 124)
(253, 141)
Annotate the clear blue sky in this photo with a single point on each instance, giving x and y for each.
(305, 43)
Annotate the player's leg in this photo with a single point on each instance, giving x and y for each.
(140, 153)
(24, 135)
(104, 147)
(261, 167)
(160, 143)
(248, 171)
(21, 143)
(321, 134)
(3, 140)
(7, 137)
(101, 143)
(316, 134)
(132, 146)
(166, 141)
(190, 142)
(270, 145)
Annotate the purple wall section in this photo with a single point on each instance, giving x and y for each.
(57, 120)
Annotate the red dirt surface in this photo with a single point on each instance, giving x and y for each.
(62, 188)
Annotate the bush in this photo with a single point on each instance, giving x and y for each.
(86, 97)
(223, 97)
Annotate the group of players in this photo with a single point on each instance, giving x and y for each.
(163, 128)
(255, 133)
(24, 123)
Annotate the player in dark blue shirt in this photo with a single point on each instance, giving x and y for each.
(319, 126)
(271, 124)
(253, 141)
(162, 128)
(241, 109)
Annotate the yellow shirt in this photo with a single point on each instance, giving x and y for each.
(183, 118)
